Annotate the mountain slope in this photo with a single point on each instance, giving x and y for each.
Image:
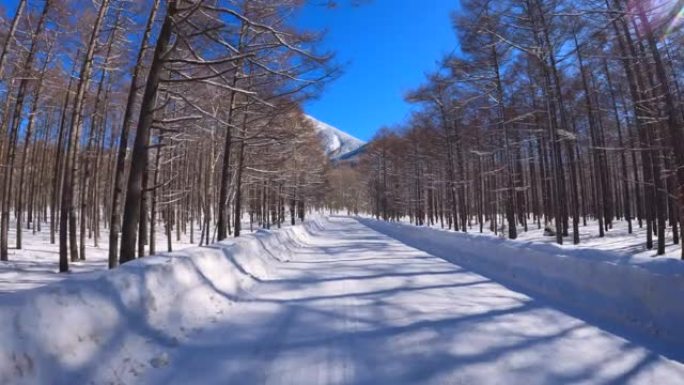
(336, 143)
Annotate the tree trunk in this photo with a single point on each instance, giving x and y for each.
(67, 214)
(14, 125)
(10, 35)
(140, 152)
(118, 183)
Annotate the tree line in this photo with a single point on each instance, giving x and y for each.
(127, 116)
(552, 112)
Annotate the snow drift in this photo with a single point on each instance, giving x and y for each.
(110, 328)
(643, 295)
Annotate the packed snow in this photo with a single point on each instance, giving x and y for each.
(335, 302)
(336, 143)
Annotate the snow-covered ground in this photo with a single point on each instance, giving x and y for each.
(37, 263)
(97, 328)
(331, 302)
(617, 239)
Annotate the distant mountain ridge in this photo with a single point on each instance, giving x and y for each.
(337, 144)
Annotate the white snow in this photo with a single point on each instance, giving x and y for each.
(336, 142)
(640, 293)
(110, 328)
(616, 240)
(37, 263)
(330, 302)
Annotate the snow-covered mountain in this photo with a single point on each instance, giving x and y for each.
(336, 143)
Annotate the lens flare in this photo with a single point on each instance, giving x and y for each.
(676, 21)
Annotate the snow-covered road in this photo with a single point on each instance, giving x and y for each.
(357, 307)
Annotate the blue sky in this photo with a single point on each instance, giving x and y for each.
(387, 46)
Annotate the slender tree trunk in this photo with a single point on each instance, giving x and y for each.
(58, 168)
(140, 154)
(10, 35)
(67, 214)
(237, 211)
(10, 152)
(24, 153)
(595, 151)
(154, 192)
(623, 162)
(119, 170)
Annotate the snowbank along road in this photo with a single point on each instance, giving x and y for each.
(356, 307)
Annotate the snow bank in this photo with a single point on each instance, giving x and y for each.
(112, 327)
(638, 293)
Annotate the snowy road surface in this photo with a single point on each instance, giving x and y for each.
(356, 307)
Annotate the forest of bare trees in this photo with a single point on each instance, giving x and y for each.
(554, 113)
(121, 119)
(137, 117)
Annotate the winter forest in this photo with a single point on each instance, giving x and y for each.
(172, 213)
(122, 116)
(557, 113)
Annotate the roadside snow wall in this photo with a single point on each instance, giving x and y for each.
(109, 327)
(642, 294)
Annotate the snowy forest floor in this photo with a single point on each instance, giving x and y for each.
(617, 239)
(338, 303)
(37, 262)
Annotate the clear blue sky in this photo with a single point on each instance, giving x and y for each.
(387, 46)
